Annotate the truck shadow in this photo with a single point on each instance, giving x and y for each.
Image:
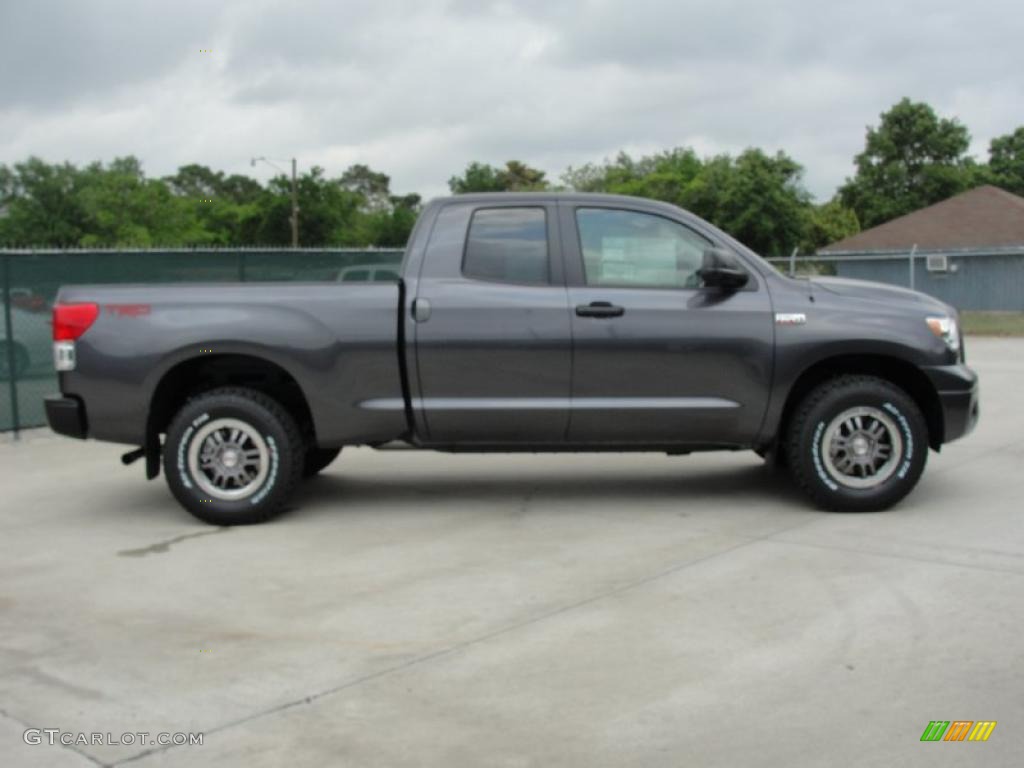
(736, 487)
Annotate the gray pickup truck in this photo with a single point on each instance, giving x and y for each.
(519, 322)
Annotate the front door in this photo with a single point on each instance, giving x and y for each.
(657, 358)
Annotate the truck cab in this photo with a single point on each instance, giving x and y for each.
(582, 322)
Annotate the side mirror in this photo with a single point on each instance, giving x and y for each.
(721, 269)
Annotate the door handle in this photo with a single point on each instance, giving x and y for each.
(599, 309)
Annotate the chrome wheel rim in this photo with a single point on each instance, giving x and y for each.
(228, 459)
(861, 447)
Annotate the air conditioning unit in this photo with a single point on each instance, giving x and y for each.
(937, 262)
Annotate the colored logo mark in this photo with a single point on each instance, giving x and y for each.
(958, 730)
(128, 310)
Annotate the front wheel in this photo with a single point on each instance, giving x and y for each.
(233, 456)
(857, 444)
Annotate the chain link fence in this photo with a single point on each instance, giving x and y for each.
(30, 278)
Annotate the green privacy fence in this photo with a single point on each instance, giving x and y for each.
(30, 279)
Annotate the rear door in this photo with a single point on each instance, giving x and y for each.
(657, 357)
(492, 331)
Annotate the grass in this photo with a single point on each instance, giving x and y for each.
(993, 323)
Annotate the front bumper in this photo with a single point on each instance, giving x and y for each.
(66, 416)
(957, 386)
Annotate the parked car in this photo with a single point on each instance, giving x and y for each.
(368, 273)
(520, 322)
(29, 300)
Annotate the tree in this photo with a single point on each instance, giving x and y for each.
(60, 205)
(390, 228)
(587, 178)
(663, 176)
(827, 224)
(227, 207)
(756, 197)
(124, 208)
(240, 189)
(519, 177)
(477, 178)
(374, 188)
(669, 176)
(195, 180)
(327, 211)
(1006, 161)
(116, 205)
(911, 160)
(201, 182)
(382, 219)
(514, 177)
(41, 204)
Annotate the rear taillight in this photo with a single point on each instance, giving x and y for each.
(72, 320)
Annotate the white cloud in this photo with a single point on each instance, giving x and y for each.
(418, 90)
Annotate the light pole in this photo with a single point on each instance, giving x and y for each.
(294, 218)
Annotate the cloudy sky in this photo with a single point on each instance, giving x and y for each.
(418, 89)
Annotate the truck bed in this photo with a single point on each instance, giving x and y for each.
(339, 342)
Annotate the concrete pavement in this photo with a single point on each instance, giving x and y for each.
(420, 609)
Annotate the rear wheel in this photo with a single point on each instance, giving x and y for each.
(857, 444)
(233, 456)
(318, 459)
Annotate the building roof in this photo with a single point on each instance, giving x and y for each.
(983, 217)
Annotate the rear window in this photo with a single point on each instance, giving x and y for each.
(508, 245)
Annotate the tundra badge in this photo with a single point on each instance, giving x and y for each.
(790, 318)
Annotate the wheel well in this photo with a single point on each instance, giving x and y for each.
(904, 375)
(200, 374)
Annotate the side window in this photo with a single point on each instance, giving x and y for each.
(626, 248)
(507, 245)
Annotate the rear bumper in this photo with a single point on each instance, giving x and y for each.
(66, 416)
(957, 386)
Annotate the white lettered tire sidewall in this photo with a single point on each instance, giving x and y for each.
(809, 426)
(284, 455)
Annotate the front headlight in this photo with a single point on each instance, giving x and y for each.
(945, 328)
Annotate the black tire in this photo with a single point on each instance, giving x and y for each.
(273, 441)
(21, 360)
(894, 419)
(318, 459)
